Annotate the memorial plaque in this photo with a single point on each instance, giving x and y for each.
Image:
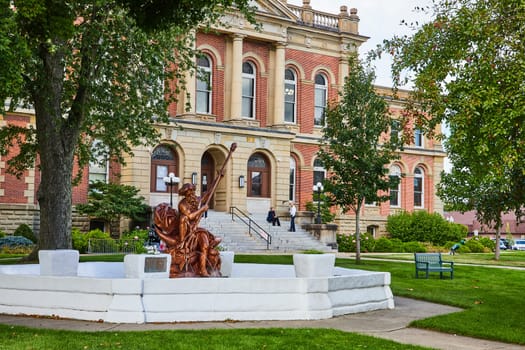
(155, 264)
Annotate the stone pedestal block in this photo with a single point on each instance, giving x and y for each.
(314, 265)
(60, 262)
(227, 263)
(147, 266)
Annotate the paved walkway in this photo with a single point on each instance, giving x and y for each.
(388, 324)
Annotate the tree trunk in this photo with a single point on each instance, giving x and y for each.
(357, 236)
(497, 250)
(57, 136)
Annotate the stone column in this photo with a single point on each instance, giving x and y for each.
(236, 78)
(278, 88)
(189, 94)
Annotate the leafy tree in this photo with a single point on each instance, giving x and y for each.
(93, 71)
(354, 148)
(466, 69)
(109, 202)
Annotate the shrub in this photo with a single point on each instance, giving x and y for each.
(487, 243)
(456, 232)
(17, 250)
(383, 245)
(397, 245)
(400, 226)
(475, 246)
(2, 234)
(464, 249)
(15, 242)
(448, 245)
(414, 247)
(137, 238)
(140, 234)
(81, 240)
(367, 243)
(421, 226)
(25, 231)
(346, 243)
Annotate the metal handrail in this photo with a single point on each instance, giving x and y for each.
(252, 225)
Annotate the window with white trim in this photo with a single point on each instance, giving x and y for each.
(98, 167)
(293, 169)
(203, 93)
(418, 137)
(163, 161)
(395, 190)
(290, 88)
(321, 90)
(395, 129)
(418, 187)
(248, 90)
(319, 171)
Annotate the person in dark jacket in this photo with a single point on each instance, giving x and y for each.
(273, 218)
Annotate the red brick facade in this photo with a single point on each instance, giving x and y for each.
(308, 51)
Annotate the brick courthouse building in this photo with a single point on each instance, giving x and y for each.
(266, 91)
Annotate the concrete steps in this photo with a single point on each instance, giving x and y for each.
(236, 237)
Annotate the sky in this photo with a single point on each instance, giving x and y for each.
(379, 20)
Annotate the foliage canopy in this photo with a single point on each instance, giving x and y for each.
(467, 70)
(355, 149)
(109, 201)
(99, 76)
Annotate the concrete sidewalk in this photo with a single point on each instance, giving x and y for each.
(387, 324)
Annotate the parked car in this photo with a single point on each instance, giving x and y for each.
(502, 244)
(519, 244)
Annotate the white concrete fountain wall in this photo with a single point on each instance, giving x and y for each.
(101, 292)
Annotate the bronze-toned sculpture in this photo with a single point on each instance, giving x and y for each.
(193, 249)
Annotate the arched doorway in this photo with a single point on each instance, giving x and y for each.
(258, 176)
(258, 184)
(207, 174)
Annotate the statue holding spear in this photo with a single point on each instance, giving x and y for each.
(193, 249)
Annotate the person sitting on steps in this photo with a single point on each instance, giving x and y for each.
(273, 218)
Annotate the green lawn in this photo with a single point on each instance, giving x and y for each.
(507, 258)
(18, 338)
(492, 299)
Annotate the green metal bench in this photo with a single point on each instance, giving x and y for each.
(432, 262)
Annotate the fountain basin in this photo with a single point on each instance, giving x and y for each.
(101, 292)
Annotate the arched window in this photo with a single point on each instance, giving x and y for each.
(293, 170)
(395, 189)
(248, 90)
(290, 88)
(163, 161)
(258, 176)
(321, 90)
(203, 93)
(319, 171)
(419, 175)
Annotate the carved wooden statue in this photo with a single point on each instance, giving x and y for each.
(193, 249)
